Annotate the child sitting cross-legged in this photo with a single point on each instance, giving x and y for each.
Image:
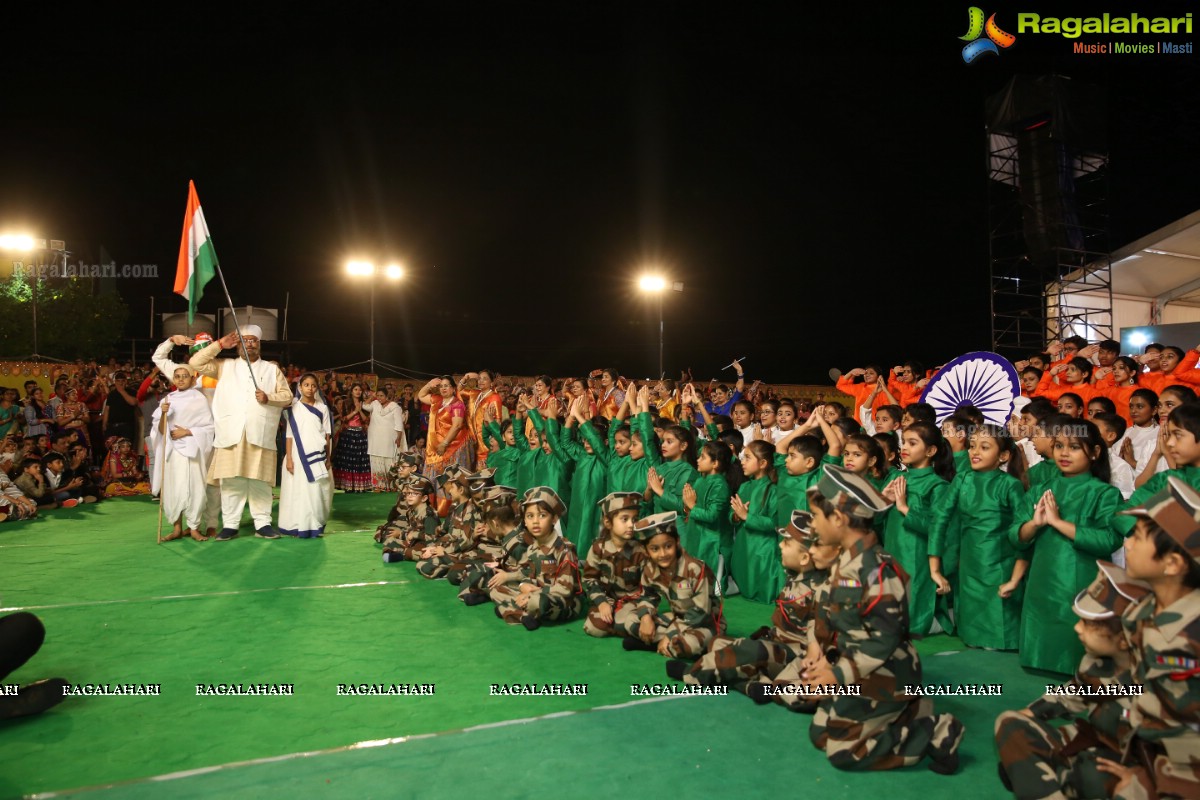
(694, 616)
(613, 569)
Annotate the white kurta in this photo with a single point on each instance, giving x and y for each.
(306, 495)
(386, 422)
(187, 458)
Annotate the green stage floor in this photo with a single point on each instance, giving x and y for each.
(119, 608)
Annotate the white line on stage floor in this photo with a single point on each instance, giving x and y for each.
(191, 773)
(195, 596)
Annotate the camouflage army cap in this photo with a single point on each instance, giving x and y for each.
(619, 501)
(417, 483)
(800, 529)
(547, 497)
(494, 496)
(454, 473)
(483, 479)
(1109, 594)
(849, 493)
(408, 459)
(1176, 509)
(649, 527)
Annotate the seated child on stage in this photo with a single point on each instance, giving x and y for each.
(613, 570)
(747, 664)
(397, 521)
(420, 522)
(694, 617)
(545, 586)
(457, 538)
(1038, 758)
(505, 542)
(865, 623)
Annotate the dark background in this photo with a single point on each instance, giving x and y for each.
(813, 175)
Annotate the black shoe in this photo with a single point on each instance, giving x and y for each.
(266, 532)
(676, 669)
(33, 699)
(1004, 777)
(392, 556)
(498, 614)
(758, 693)
(531, 622)
(474, 599)
(947, 765)
(637, 644)
(226, 534)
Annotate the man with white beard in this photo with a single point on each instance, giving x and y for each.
(179, 479)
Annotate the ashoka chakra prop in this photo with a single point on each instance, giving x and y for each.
(980, 379)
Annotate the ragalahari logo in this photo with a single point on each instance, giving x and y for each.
(976, 27)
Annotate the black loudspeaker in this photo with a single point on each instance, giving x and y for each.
(1047, 185)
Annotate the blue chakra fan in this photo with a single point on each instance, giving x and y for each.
(980, 379)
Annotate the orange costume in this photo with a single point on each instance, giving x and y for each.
(860, 392)
(476, 403)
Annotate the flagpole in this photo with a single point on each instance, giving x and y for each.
(236, 326)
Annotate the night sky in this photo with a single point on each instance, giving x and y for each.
(813, 174)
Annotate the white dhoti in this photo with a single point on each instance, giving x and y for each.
(387, 425)
(179, 479)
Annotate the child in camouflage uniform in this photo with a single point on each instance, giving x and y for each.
(1163, 629)
(457, 538)
(613, 569)
(405, 468)
(420, 522)
(759, 658)
(545, 586)
(866, 620)
(500, 546)
(694, 617)
(1038, 759)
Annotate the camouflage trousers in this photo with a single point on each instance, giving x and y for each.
(595, 625)
(442, 566)
(546, 608)
(1042, 760)
(472, 577)
(684, 642)
(858, 733)
(738, 662)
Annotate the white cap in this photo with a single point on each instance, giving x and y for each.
(252, 330)
(1019, 404)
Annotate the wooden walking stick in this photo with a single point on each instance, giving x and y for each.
(162, 466)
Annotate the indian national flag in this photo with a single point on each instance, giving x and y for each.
(197, 259)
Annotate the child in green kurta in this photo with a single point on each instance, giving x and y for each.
(553, 467)
(799, 461)
(1182, 436)
(589, 483)
(988, 503)
(1068, 529)
(915, 494)
(755, 565)
(529, 448)
(673, 466)
(708, 532)
(504, 454)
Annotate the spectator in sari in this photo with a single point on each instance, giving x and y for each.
(72, 416)
(10, 411)
(448, 440)
(477, 401)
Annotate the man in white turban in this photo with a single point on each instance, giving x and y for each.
(247, 403)
(188, 446)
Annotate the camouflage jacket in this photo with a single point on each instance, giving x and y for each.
(611, 574)
(458, 529)
(1166, 717)
(690, 591)
(1108, 716)
(865, 618)
(555, 570)
(795, 607)
(513, 547)
(421, 525)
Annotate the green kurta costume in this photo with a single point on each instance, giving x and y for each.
(553, 470)
(589, 483)
(527, 460)
(907, 539)
(755, 561)
(504, 460)
(1040, 475)
(987, 506)
(1060, 568)
(708, 532)
(1190, 475)
(791, 490)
